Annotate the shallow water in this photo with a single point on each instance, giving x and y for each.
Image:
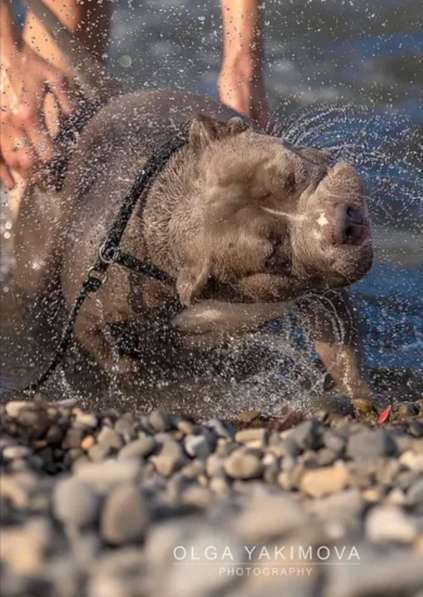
(346, 76)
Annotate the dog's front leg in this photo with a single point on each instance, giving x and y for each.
(330, 320)
(93, 332)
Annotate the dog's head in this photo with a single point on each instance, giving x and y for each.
(275, 220)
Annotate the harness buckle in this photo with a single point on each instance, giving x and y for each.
(108, 255)
(96, 277)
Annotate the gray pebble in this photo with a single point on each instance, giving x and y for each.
(199, 497)
(306, 435)
(415, 428)
(221, 429)
(193, 469)
(370, 444)
(109, 438)
(99, 452)
(73, 438)
(415, 493)
(104, 475)
(124, 516)
(35, 419)
(75, 503)
(333, 441)
(386, 574)
(345, 506)
(126, 428)
(325, 456)
(143, 446)
(160, 421)
(197, 446)
(266, 517)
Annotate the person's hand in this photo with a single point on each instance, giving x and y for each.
(25, 78)
(241, 87)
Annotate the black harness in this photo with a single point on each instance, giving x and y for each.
(109, 252)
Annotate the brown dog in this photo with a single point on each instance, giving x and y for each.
(236, 215)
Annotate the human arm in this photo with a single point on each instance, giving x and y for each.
(33, 72)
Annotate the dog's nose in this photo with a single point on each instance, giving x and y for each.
(350, 225)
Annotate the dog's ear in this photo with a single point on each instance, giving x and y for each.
(204, 130)
(191, 281)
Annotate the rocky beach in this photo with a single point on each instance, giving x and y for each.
(132, 504)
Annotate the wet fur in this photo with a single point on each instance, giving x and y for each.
(209, 222)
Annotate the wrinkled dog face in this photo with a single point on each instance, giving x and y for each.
(277, 220)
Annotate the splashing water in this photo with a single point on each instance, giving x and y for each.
(228, 380)
(386, 148)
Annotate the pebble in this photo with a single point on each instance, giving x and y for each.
(109, 438)
(394, 574)
(75, 503)
(124, 517)
(88, 442)
(415, 428)
(345, 506)
(389, 523)
(99, 452)
(220, 485)
(324, 481)
(23, 547)
(126, 428)
(266, 517)
(305, 435)
(243, 464)
(73, 438)
(85, 419)
(215, 465)
(160, 421)
(370, 444)
(17, 489)
(256, 436)
(197, 496)
(221, 429)
(35, 419)
(415, 493)
(143, 446)
(197, 446)
(15, 452)
(170, 458)
(412, 460)
(107, 474)
(14, 407)
(334, 441)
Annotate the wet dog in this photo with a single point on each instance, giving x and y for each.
(236, 216)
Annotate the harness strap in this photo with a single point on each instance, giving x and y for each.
(139, 267)
(109, 252)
